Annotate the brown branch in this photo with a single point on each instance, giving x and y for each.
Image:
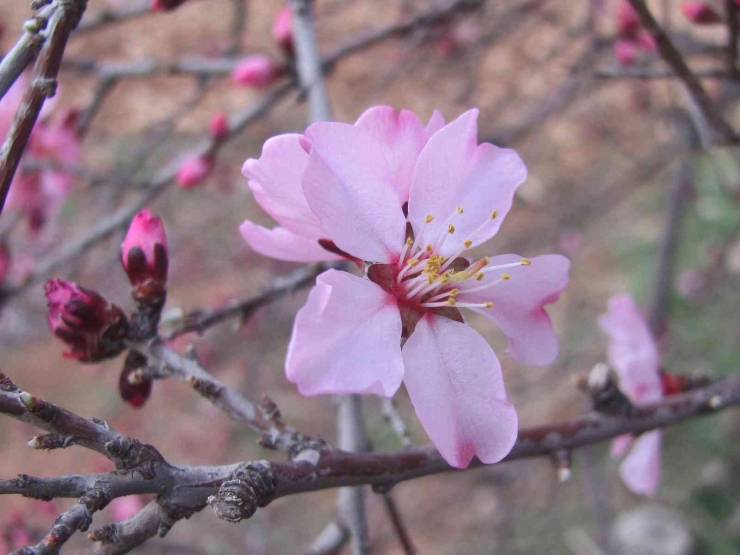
(105, 17)
(648, 73)
(308, 61)
(733, 30)
(721, 130)
(43, 85)
(203, 319)
(391, 415)
(399, 528)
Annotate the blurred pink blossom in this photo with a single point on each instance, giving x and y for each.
(282, 29)
(571, 242)
(628, 22)
(256, 71)
(357, 189)
(700, 13)
(40, 194)
(631, 37)
(219, 126)
(194, 171)
(126, 507)
(634, 355)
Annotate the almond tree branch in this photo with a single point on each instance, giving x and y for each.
(62, 22)
(105, 17)
(733, 30)
(722, 133)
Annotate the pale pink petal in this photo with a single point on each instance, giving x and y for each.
(350, 188)
(275, 180)
(632, 350)
(455, 384)
(518, 303)
(640, 471)
(346, 339)
(436, 122)
(620, 444)
(440, 173)
(401, 135)
(280, 243)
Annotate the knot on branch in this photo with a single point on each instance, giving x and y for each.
(96, 498)
(7, 385)
(249, 488)
(27, 484)
(105, 535)
(130, 454)
(49, 441)
(602, 385)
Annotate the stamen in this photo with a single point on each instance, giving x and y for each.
(406, 247)
(506, 277)
(450, 229)
(460, 210)
(525, 262)
(494, 213)
(468, 243)
(428, 219)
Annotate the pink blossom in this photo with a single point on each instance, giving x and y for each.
(634, 355)
(700, 13)
(193, 172)
(219, 126)
(625, 51)
(125, 507)
(256, 71)
(41, 194)
(91, 326)
(410, 200)
(282, 29)
(628, 22)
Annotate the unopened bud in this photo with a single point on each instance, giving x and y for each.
(133, 385)
(165, 5)
(628, 22)
(256, 71)
(219, 126)
(625, 51)
(700, 13)
(282, 29)
(193, 172)
(91, 326)
(145, 259)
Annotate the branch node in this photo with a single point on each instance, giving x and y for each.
(29, 402)
(603, 387)
(561, 460)
(250, 487)
(49, 442)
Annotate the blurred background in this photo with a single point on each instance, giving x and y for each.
(606, 154)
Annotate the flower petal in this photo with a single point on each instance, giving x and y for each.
(620, 444)
(640, 471)
(632, 350)
(440, 171)
(518, 303)
(350, 188)
(401, 136)
(275, 180)
(281, 244)
(346, 339)
(436, 122)
(454, 380)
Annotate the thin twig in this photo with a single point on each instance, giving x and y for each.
(722, 132)
(106, 17)
(390, 413)
(733, 30)
(309, 63)
(399, 528)
(330, 541)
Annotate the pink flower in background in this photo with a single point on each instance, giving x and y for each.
(256, 71)
(194, 171)
(632, 38)
(411, 200)
(282, 29)
(700, 13)
(125, 507)
(634, 355)
(40, 194)
(218, 127)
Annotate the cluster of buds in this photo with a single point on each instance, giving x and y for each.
(95, 329)
(92, 327)
(632, 38)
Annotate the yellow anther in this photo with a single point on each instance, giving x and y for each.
(409, 242)
(454, 293)
(494, 214)
(444, 279)
(451, 301)
(479, 276)
(468, 243)
(525, 262)
(428, 248)
(413, 262)
(431, 278)
(450, 229)
(505, 277)
(460, 209)
(488, 304)
(428, 218)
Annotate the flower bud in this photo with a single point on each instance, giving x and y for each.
(700, 13)
(626, 51)
(193, 171)
(144, 257)
(134, 387)
(256, 71)
(4, 262)
(165, 5)
(282, 29)
(91, 326)
(628, 22)
(219, 126)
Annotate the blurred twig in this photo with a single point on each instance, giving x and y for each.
(104, 17)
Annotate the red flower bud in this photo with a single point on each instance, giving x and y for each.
(165, 5)
(91, 326)
(700, 13)
(219, 126)
(673, 383)
(628, 22)
(256, 71)
(4, 262)
(144, 257)
(134, 387)
(282, 29)
(193, 172)
(626, 51)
